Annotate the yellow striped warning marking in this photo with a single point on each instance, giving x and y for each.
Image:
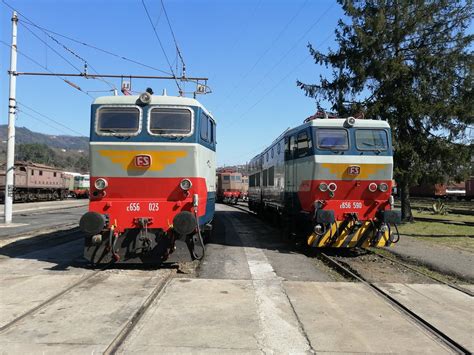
(342, 235)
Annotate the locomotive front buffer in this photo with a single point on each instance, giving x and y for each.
(143, 244)
(351, 231)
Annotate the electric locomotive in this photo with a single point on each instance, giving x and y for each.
(152, 178)
(329, 181)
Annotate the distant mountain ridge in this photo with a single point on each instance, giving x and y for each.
(25, 136)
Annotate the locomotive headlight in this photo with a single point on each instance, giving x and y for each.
(373, 187)
(323, 187)
(101, 184)
(185, 184)
(350, 121)
(145, 98)
(332, 187)
(383, 187)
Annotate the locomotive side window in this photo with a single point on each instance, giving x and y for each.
(265, 177)
(252, 180)
(226, 177)
(118, 120)
(332, 139)
(204, 127)
(170, 121)
(371, 139)
(212, 133)
(257, 179)
(271, 176)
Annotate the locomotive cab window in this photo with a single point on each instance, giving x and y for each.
(303, 144)
(332, 139)
(118, 120)
(371, 139)
(170, 121)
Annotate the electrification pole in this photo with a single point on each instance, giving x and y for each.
(10, 167)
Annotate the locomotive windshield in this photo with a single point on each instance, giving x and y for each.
(170, 121)
(118, 120)
(371, 139)
(332, 139)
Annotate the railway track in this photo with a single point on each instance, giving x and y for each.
(414, 269)
(431, 329)
(49, 301)
(125, 332)
(446, 221)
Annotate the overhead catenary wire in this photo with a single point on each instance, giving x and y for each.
(49, 118)
(85, 62)
(22, 112)
(282, 58)
(54, 50)
(263, 54)
(178, 51)
(274, 87)
(161, 45)
(49, 71)
(45, 30)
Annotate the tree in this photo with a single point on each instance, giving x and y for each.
(408, 62)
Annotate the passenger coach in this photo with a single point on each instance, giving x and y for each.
(152, 161)
(329, 181)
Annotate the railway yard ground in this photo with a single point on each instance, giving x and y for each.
(253, 292)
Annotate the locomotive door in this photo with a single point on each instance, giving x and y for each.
(290, 172)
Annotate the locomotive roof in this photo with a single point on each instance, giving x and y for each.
(339, 122)
(155, 100)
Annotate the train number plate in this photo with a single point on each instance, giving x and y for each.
(350, 205)
(136, 207)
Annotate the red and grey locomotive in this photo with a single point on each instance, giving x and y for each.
(152, 163)
(329, 180)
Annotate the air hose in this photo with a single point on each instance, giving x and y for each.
(390, 234)
(201, 241)
(112, 243)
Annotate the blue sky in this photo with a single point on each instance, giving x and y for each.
(252, 51)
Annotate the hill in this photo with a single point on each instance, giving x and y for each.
(67, 152)
(25, 136)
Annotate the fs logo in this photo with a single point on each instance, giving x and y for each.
(353, 170)
(143, 161)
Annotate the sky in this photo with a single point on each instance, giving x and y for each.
(252, 52)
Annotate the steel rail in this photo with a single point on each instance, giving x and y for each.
(51, 299)
(445, 221)
(456, 287)
(127, 329)
(438, 334)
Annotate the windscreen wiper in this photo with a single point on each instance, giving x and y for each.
(378, 150)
